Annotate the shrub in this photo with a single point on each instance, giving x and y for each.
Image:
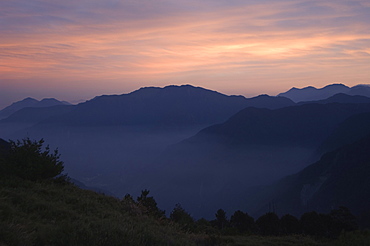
(28, 159)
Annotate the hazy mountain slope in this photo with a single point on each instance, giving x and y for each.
(254, 147)
(305, 125)
(339, 178)
(340, 98)
(311, 93)
(29, 102)
(110, 142)
(35, 115)
(269, 102)
(349, 131)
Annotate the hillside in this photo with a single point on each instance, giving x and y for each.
(127, 143)
(254, 147)
(49, 213)
(349, 131)
(39, 207)
(305, 125)
(36, 114)
(339, 178)
(127, 132)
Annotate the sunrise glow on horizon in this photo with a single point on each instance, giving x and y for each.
(78, 49)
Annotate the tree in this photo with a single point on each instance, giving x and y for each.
(242, 221)
(342, 220)
(315, 224)
(28, 159)
(180, 216)
(150, 204)
(290, 225)
(269, 224)
(221, 220)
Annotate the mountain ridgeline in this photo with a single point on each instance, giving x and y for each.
(203, 149)
(153, 106)
(311, 93)
(29, 103)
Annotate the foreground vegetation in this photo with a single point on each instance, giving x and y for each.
(39, 206)
(50, 213)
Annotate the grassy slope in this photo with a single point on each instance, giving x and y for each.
(50, 213)
(53, 214)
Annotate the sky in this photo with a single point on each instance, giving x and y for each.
(77, 49)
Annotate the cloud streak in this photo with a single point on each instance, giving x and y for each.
(231, 46)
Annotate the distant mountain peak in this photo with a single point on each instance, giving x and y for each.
(29, 102)
(262, 95)
(361, 85)
(28, 99)
(335, 85)
(49, 99)
(311, 93)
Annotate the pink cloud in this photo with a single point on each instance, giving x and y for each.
(260, 46)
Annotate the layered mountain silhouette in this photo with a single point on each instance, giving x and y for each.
(340, 98)
(29, 102)
(37, 114)
(305, 125)
(171, 105)
(126, 132)
(195, 146)
(253, 147)
(311, 93)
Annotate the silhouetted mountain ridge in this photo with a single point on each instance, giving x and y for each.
(340, 98)
(171, 105)
(311, 93)
(29, 102)
(35, 115)
(254, 147)
(305, 125)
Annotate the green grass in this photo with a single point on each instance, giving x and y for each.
(52, 213)
(46, 213)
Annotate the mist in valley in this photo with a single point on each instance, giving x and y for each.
(226, 159)
(120, 160)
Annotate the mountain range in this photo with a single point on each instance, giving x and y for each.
(254, 147)
(29, 102)
(198, 147)
(168, 106)
(311, 93)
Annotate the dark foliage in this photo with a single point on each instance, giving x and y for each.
(221, 220)
(180, 216)
(342, 220)
(290, 225)
(28, 159)
(242, 222)
(150, 204)
(268, 224)
(315, 224)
